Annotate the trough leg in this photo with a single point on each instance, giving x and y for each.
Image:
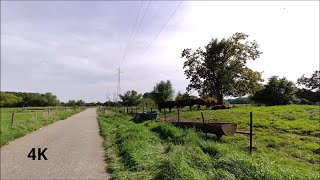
(219, 136)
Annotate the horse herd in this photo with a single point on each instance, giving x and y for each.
(191, 102)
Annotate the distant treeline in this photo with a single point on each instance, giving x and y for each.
(25, 99)
(244, 100)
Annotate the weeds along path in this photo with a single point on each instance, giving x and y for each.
(158, 150)
(74, 151)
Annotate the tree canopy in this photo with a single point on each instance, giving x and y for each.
(184, 96)
(19, 99)
(9, 100)
(312, 83)
(162, 91)
(220, 69)
(311, 95)
(130, 98)
(278, 91)
(147, 102)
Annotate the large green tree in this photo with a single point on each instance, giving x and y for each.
(278, 91)
(220, 69)
(312, 83)
(130, 98)
(162, 91)
(52, 100)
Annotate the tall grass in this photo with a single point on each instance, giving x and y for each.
(158, 150)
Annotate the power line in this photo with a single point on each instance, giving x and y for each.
(142, 18)
(125, 52)
(162, 27)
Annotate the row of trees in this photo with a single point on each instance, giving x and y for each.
(26, 99)
(277, 91)
(162, 91)
(280, 91)
(21, 99)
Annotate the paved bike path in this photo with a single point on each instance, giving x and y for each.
(74, 151)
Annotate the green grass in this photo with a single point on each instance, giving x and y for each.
(158, 150)
(26, 121)
(297, 119)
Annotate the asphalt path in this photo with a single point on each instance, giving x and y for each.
(74, 151)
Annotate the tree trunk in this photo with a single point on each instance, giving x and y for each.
(219, 97)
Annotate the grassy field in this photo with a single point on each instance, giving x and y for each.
(286, 137)
(27, 120)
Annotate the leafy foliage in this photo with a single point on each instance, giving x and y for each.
(71, 103)
(185, 96)
(148, 95)
(19, 99)
(307, 96)
(9, 99)
(311, 95)
(80, 102)
(276, 92)
(312, 83)
(220, 69)
(163, 91)
(147, 102)
(130, 98)
(244, 100)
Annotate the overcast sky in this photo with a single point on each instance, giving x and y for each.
(72, 49)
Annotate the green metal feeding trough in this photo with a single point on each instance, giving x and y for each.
(150, 115)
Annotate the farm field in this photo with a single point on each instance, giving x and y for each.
(27, 120)
(286, 137)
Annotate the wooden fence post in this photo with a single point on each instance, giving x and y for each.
(203, 123)
(178, 115)
(250, 132)
(48, 113)
(36, 115)
(165, 115)
(12, 119)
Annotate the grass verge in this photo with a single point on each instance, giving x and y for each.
(158, 150)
